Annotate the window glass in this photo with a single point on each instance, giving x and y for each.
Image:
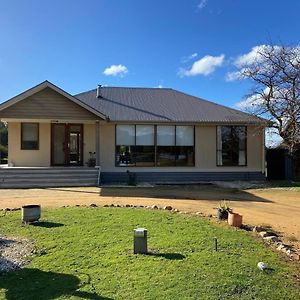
(232, 143)
(184, 156)
(124, 156)
(125, 135)
(30, 136)
(184, 135)
(166, 156)
(144, 156)
(166, 135)
(145, 135)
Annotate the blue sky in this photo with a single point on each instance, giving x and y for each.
(189, 45)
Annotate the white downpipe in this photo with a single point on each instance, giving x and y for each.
(99, 176)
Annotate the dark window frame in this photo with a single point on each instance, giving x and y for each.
(246, 146)
(155, 148)
(38, 135)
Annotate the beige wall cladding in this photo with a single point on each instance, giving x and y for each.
(47, 104)
(89, 141)
(205, 152)
(29, 158)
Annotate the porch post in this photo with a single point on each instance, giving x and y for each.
(97, 143)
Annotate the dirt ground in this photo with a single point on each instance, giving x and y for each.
(278, 207)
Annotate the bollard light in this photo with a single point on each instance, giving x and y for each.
(140, 241)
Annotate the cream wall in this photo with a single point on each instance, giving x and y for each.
(205, 152)
(25, 158)
(89, 141)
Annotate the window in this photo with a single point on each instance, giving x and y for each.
(231, 146)
(166, 155)
(149, 145)
(29, 136)
(144, 146)
(125, 142)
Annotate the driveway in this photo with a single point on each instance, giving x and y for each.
(277, 207)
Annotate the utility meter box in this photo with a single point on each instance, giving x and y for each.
(140, 241)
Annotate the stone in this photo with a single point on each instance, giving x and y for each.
(154, 206)
(280, 247)
(199, 213)
(257, 229)
(77, 205)
(118, 205)
(105, 205)
(112, 205)
(175, 210)
(167, 207)
(93, 205)
(127, 205)
(272, 238)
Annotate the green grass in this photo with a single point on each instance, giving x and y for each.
(86, 253)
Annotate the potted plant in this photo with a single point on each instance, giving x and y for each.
(223, 210)
(92, 160)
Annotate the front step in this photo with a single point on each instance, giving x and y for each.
(11, 178)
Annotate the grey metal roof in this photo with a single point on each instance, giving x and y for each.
(160, 105)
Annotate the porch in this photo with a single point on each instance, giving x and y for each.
(42, 177)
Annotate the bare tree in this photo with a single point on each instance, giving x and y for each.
(275, 72)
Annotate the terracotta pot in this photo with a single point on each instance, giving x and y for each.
(235, 220)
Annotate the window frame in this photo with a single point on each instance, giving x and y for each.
(38, 135)
(246, 146)
(155, 147)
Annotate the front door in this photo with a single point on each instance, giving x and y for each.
(67, 145)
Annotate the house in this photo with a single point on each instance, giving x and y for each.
(162, 135)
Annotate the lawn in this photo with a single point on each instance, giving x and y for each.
(86, 253)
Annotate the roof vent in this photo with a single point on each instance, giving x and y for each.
(99, 91)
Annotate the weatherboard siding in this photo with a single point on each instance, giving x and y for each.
(47, 104)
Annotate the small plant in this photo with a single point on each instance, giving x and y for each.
(131, 178)
(92, 160)
(223, 210)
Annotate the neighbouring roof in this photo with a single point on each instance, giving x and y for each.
(160, 105)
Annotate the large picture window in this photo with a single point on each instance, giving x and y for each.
(151, 145)
(231, 145)
(29, 136)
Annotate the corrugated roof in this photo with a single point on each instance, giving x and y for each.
(160, 105)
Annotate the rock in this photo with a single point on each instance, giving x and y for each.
(127, 205)
(167, 207)
(105, 205)
(77, 205)
(141, 206)
(210, 215)
(118, 205)
(272, 238)
(280, 247)
(257, 229)
(112, 205)
(262, 266)
(199, 213)
(175, 210)
(154, 206)
(93, 205)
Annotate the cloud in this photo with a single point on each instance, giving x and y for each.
(204, 66)
(116, 70)
(251, 57)
(159, 86)
(252, 101)
(232, 76)
(202, 4)
(185, 59)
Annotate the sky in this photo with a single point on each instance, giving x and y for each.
(189, 45)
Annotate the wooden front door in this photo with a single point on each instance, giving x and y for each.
(66, 144)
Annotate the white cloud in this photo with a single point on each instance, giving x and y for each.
(250, 57)
(204, 66)
(159, 86)
(202, 4)
(232, 76)
(116, 70)
(252, 101)
(188, 58)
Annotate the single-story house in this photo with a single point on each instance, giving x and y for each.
(160, 134)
